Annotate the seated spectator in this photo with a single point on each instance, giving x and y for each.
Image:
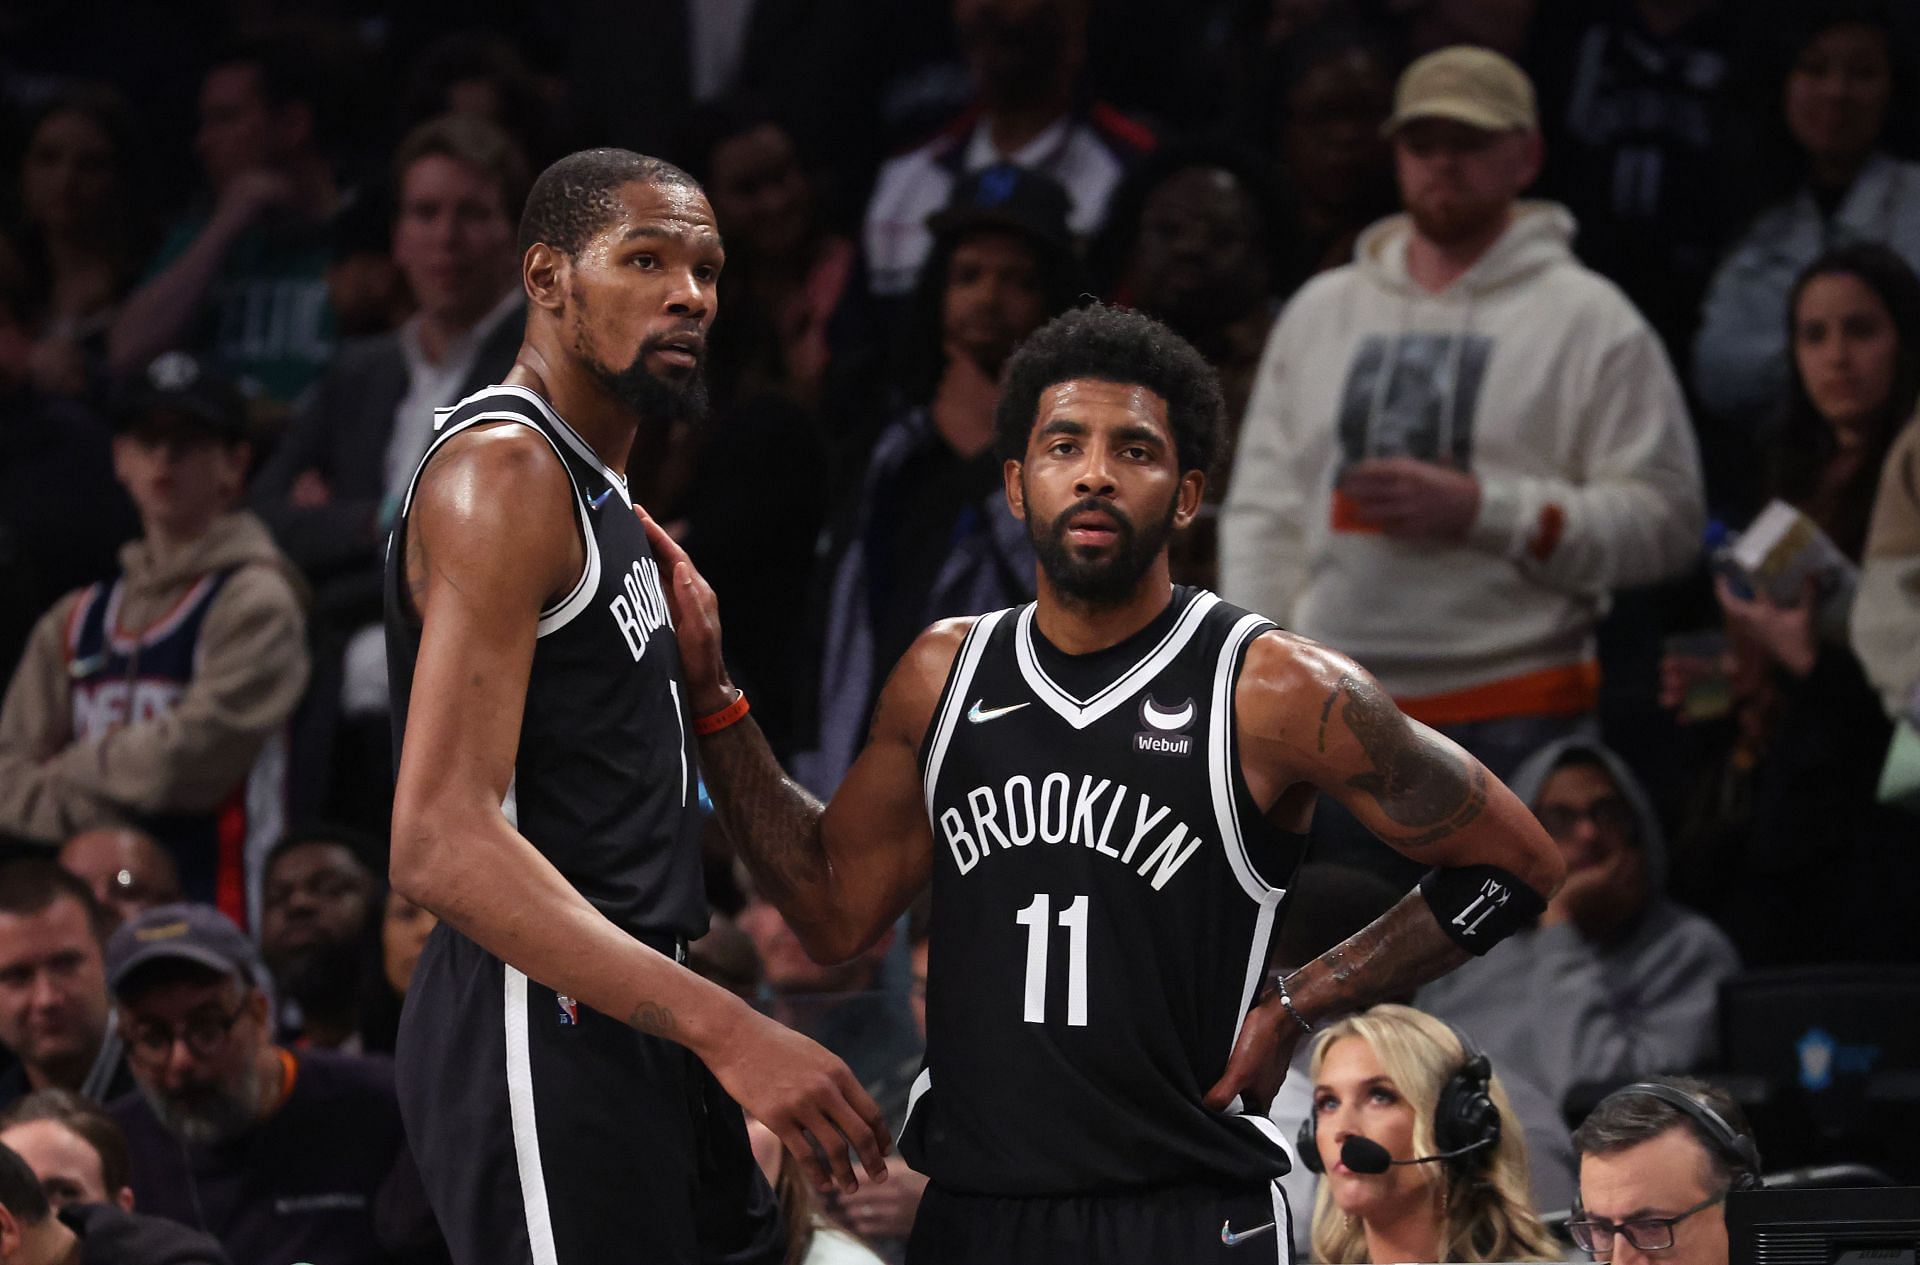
(316, 934)
(73, 1147)
(929, 534)
(55, 1014)
(333, 485)
(1654, 1175)
(80, 238)
(1800, 756)
(242, 279)
(1025, 59)
(1388, 1075)
(160, 698)
(32, 1233)
(127, 869)
(1886, 608)
(786, 271)
(482, 75)
(404, 928)
(280, 1155)
(812, 1236)
(1461, 443)
(1846, 188)
(1617, 981)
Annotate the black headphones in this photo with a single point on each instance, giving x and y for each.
(1737, 1147)
(1463, 1117)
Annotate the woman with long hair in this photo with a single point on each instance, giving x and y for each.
(1838, 107)
(1385, 1075)
(1797, 760)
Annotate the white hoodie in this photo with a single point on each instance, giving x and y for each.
(1532, 371)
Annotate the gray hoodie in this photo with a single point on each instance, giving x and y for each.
(1561, 1010)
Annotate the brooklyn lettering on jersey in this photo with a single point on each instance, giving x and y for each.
(1092, 815)
(641, 609)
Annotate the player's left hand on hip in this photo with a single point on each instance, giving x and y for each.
(1259, 1060)
(696, 621)
(1413, 499)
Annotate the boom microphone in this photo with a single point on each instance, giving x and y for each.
(1364, 1155)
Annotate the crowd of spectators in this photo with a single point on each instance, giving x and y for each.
(1507, 380)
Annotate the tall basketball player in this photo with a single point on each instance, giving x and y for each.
(1108, 790)
(569, 1088)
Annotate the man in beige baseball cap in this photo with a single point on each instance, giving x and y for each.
(1474, 86)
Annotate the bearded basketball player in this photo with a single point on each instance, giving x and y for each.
(572, 1092)
(1109, 790)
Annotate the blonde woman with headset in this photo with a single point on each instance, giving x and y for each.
(1420, 1155)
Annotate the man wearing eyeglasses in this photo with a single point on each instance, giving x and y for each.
(278, 1155)
(1617, 981)
(1654, 1179)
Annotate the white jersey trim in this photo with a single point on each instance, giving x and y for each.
(1080, 712)
(1221, 774)
(581, 447)
(921, 1084)
(965, 663)
(526, 1133)
(561, 613)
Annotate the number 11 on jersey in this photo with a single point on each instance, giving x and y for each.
(1035, 919)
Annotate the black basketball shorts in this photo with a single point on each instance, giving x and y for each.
(549, 1134)
(1171, 1225)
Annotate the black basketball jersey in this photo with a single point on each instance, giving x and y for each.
(1104, 894)
(605, 781)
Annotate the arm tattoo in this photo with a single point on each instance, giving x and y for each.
(1418, 783)
(1387, 960)
(653, 1019)
(773, 822)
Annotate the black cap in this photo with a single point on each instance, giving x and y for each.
(180, 394)
(186, 933)
(1008, 196)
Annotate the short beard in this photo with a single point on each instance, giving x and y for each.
(324, 978)
(1105, 582)
(222, 1115)
(659, 400)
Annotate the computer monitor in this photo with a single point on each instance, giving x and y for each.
(1849, 1226)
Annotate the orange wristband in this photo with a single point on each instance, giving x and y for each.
(714, 722)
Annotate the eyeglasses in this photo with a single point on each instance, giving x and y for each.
(1612, 815)
(152, 1041)
(1649, 1234)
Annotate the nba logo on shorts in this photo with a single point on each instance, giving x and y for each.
(569, 1010)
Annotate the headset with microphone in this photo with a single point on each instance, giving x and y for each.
(1466, 1125)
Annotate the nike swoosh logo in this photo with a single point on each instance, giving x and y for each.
(979, 715)
(600, 500)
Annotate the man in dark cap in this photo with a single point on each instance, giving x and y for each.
(928, 535)
(280, 1155)
(158, 698)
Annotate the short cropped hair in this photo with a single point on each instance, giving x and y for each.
(1115, 344)
(31, 885)
(1626, 1120)
(20, 1191)
(576, 197)
(86, 1120)
(474, 142)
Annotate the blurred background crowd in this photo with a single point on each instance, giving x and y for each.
(1502, 413)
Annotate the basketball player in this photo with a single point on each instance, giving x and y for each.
(569, 1088)
(1109, 791)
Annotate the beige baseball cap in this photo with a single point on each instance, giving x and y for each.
(1470, 85)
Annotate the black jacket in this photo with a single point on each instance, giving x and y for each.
(109, 1236)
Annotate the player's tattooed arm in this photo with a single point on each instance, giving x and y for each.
(841, 873)
(1426, 787)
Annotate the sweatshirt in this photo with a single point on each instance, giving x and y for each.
(1530, 371)
(250, 666)
(1563, 1011)
(109, 1236)
(1885, 626)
